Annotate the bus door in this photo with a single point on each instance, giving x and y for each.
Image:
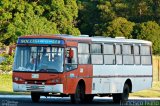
(71, 65)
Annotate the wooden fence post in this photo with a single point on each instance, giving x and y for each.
(158, 70)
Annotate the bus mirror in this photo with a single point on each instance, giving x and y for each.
(71, 53)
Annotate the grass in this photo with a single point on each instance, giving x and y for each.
(153, 92)
(6, 83)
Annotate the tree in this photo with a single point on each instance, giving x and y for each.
(149, 31)
(6, 65)
(88, 16)
(119, 27)
(106, 14)
(139, 10)
(63, 13)
(23, 17)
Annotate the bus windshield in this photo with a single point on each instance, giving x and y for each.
(39, 59)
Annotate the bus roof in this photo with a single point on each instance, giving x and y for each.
(121, 40)
(91, 39)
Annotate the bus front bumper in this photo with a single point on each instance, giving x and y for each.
(58, 88)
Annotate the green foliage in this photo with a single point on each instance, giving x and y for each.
(23, 17)
(149, 31)
(120, 18)
(106, 11)
(6, 65)
(93, 17)
(88, 16)
(119, 27)
(2, 45)
(106, 14)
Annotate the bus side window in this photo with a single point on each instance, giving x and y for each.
(71, 59)
(145, 52)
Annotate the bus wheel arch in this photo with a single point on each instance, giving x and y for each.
(129, 83)
(79, 94)
(123, 97)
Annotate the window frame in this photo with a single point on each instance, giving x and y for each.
(139, 54)
(91, 53)
(131, 53)
(113, 54)
(121, 48)
(84, 53)
(65, 70)
(150, 54)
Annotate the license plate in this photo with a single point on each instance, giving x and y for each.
(34, 87)
(35, 75)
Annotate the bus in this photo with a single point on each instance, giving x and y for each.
(81, 67)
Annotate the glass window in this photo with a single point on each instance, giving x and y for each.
(118, 49)
(128, 59)
(71, 58)
(127, 49)
(109, 59)
(146, 60)
(84, 58)
(119, 59)
(83, 53)
(50, 58)
(108, 49)
(137, 60)
(42, 59)
(96, 48)
(136, 50)
(97, 59)
(145, 50)
(83, 48)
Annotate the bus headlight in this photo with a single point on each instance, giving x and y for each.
(16, 78)
(54, 81)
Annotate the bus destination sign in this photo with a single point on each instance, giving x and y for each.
(40, 41)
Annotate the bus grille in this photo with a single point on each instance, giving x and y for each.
(35, 82)
(35, 87)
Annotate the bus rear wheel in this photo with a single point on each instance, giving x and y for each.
(35, 97)
(122, 97)
(79, 96)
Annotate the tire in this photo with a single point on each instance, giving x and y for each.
(116, 98)
(79, 96)
(89, 98)
(35, 97)
(125, 93)
(122, 97)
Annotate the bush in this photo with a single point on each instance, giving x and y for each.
(6, 65)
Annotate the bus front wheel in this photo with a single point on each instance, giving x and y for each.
(35, 97)
(79, 95)
(122, 97)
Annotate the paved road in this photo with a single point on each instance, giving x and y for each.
(8, 100)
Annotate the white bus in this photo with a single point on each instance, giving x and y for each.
(120, 66)
(81, 67)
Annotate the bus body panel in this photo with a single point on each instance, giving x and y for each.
(84, 73)
(68, 84)
(111, 78)
(25, 82)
